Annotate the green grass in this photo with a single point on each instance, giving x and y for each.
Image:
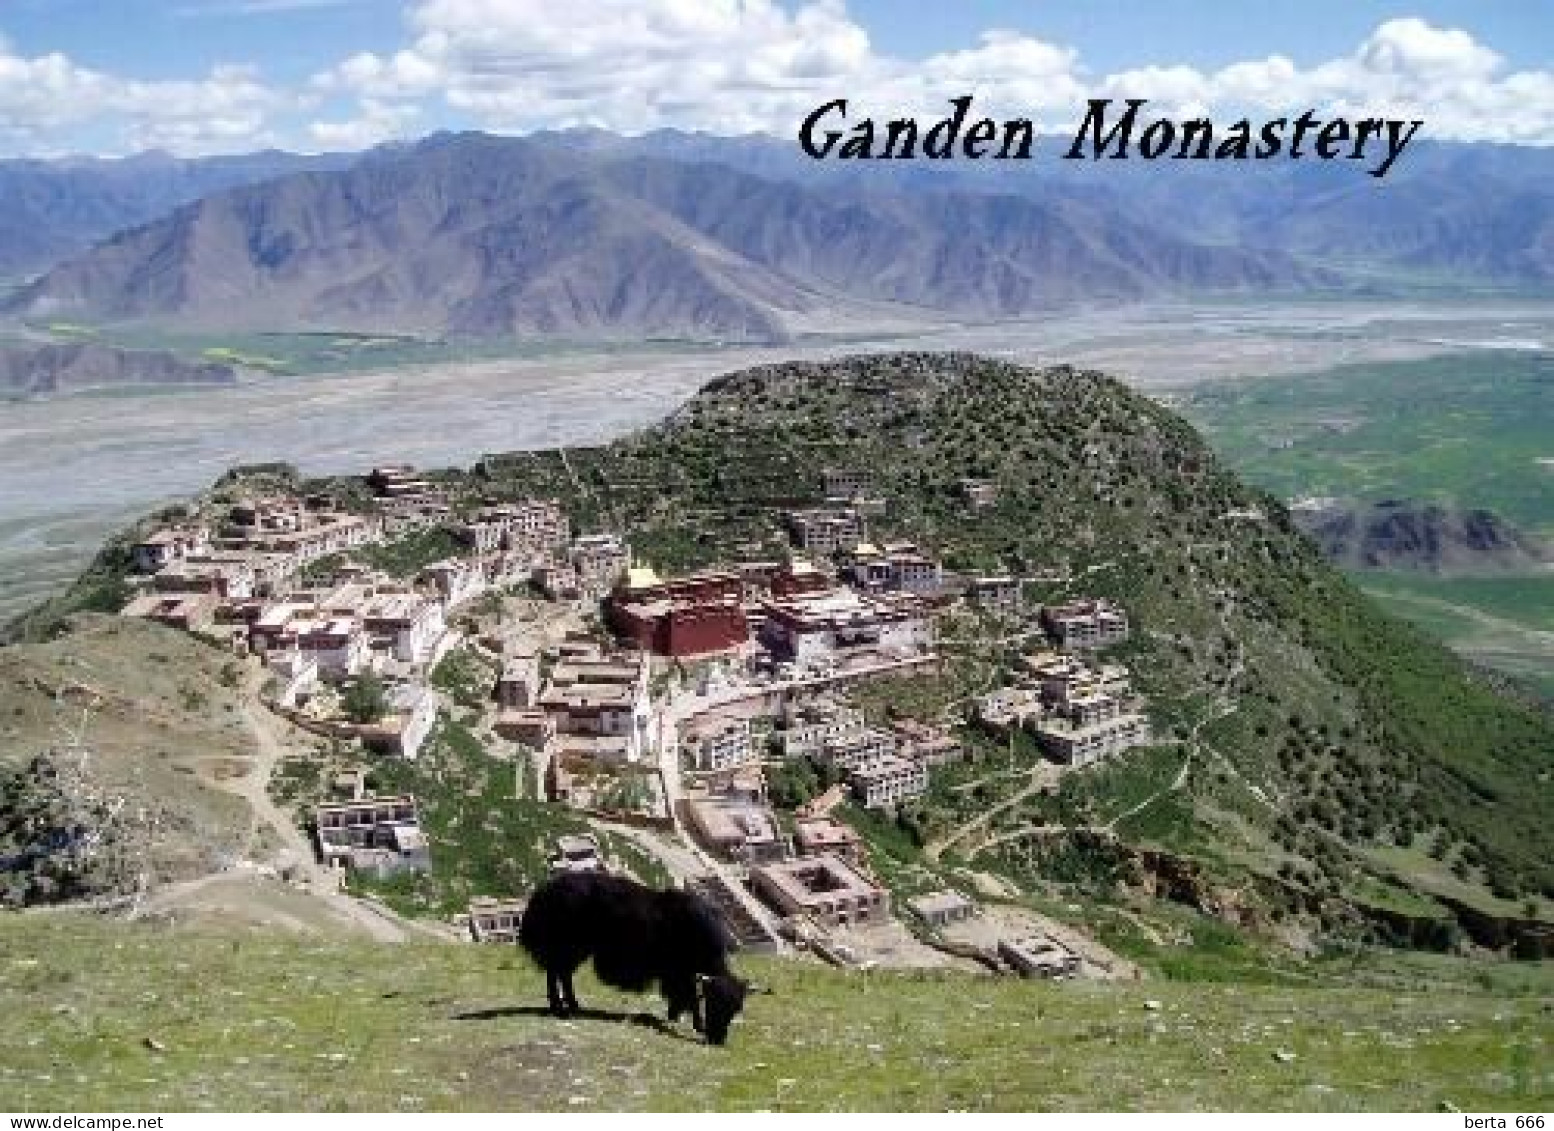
(487, 836)
(465, 677)
(257, 1022)
(228, 356)
(408, 556)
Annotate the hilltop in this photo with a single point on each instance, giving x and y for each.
(1320, 772)
(1323, 759)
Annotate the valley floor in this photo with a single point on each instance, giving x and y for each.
(113, 1016)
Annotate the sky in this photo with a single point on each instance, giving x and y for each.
(226, 76)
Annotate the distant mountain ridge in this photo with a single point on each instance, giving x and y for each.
(71, 366)
(56, 209)
(472, 234)
(589, 234)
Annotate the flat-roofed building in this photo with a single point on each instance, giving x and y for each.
(517, 687)
(848, 751)
(1086, 624)
(826, 888)
(230, 576)
(337, 644)
(188, 611)
(998, 594)
(818, 836)
(736, 830)
(398, 481)
(813, 723)
(941, 908)
(456, 580)
(530, 526)
(407, 624)
(602, 699)
(533, 728)
(576, 852)
(826, 530)
(799, 576)
(1009, 707)
(980, 493)
(172, 543)
(378, 834)
(700, 614)
(495, 920)
(899, 566)
(829, 626)
(601, 561)
(888, 780)
(720, 743)
(922, 742)
(1108, 730)
(845, 482)
(1038, 957)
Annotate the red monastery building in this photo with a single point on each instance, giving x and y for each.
(685, 616)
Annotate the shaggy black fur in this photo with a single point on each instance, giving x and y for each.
(636, 936)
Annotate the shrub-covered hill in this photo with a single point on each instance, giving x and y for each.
(122, 1016)
(1325, 756)
(1322, 769)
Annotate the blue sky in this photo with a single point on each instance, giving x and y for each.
(212, 75)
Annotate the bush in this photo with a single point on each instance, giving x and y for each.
(365, 701)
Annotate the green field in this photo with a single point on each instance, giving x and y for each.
(109, 1016)
(1468, 428)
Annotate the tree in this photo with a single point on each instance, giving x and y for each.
(365, 701)
(792, 783)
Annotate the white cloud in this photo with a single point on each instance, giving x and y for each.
(734, 66)
(377, 122)
(44, 99)
(737, 65)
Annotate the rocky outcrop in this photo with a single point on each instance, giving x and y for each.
(1420, 537)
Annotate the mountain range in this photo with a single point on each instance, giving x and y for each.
(57, 209)
(586, 234)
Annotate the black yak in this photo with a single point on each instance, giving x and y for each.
(636, 936)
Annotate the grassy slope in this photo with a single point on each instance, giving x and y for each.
(1505, 623)
(262, 1023)
(156, 708)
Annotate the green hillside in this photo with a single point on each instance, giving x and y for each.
(112, 1016)
(1321, 756)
